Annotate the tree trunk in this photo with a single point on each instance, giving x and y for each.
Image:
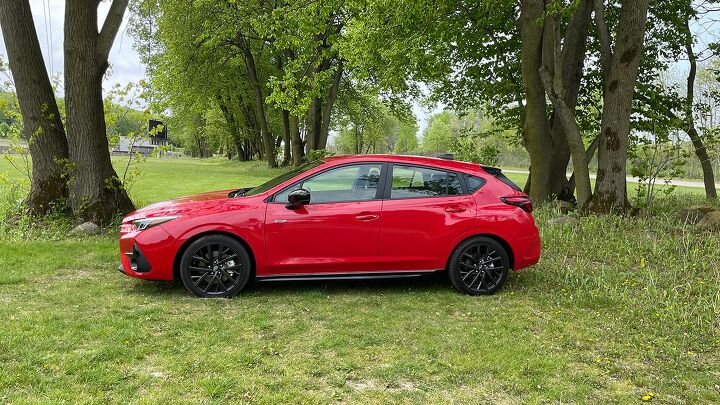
(698, 144)
(535, 128)
(267, 140)
(41, 119)
(96, 192)
(329, 104)
(286, 138)
(314, 124)
(570, 68)
(610, 188)
(298, 151)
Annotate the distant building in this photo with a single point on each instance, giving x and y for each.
(128, 145)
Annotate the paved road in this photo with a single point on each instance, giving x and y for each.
(684, 183)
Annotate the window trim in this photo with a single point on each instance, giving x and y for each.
(388, 182)
(378, 193)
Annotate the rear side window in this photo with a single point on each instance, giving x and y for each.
(474, 183)
(414, 182)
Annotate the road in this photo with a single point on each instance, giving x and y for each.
(683, 183)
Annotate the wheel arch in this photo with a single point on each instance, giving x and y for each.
(501, 241)
(184, 246)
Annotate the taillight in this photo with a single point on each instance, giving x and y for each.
(521, 201)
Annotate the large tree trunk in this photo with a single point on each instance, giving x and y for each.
(267, 138)
(536, 136)
(328, 108)
(96, 192)
(41, 118)
(610, 188)
(572, 59)
(554, 87)
(698, 144)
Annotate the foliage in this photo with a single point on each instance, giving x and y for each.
(471, 136)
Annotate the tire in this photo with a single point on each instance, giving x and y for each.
(215, 266)
(478, 266)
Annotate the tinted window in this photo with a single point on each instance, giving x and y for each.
(283, 178)
(346, 183)
(474, 183)
(412, 182)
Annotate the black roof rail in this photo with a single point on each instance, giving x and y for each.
(446, 156)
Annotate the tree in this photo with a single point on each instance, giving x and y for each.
(610, 187)
(689, 110)
(96, 192)
(43, 127)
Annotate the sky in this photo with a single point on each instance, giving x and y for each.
(49, 17)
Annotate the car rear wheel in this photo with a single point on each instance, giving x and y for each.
(479, 266)
(215, 266)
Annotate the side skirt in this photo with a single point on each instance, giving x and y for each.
(348, 276)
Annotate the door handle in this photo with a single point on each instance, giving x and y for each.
(455, 208)
(368, 217)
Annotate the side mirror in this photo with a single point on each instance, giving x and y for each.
(298, 198)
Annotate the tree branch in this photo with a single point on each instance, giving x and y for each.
(110, 28)
(604, 37)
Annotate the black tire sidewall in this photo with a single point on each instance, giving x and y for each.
(454, 265)
(212, 239)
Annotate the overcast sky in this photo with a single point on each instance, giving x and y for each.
(49, 18)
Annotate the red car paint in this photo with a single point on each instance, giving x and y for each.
(380, 235)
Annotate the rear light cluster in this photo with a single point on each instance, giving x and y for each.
(521, 201)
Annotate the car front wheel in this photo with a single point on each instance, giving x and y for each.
(215, 266)
(479, 266)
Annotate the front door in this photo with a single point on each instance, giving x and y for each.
(336, 233)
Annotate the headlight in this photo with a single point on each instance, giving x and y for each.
(145, 223)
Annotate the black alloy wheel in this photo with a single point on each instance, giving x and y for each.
(215, 266)
(479, 266)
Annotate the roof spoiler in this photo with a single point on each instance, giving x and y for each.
(492, 170)
(446, 156)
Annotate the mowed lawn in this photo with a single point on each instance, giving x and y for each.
(617, 308)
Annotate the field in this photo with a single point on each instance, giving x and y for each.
(617, 308)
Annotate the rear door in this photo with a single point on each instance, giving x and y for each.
(424, 211)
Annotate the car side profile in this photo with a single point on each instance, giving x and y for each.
(351, 217)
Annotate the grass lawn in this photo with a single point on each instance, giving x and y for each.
(617, 308)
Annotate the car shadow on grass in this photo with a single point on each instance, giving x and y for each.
(431, 283)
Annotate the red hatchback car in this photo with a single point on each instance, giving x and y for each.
(350, 217)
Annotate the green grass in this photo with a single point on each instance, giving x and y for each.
(589, 324)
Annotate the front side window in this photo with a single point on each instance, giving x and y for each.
(414, 182)
(346, 183)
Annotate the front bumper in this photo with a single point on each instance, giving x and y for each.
(147, 254)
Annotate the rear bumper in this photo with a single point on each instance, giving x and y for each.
(527, 250)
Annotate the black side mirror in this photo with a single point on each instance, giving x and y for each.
(298, 198)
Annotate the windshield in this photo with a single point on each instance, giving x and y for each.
(282, 178)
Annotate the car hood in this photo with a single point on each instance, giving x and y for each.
(181, 205)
